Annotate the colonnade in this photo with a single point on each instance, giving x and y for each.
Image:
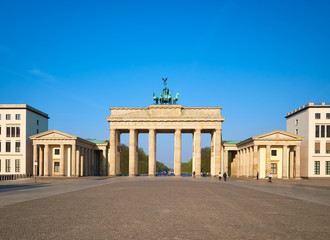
(247, 160)
(114, 156)
(74, 160)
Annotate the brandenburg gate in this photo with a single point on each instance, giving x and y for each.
(166, 117)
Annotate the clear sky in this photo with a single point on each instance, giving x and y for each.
(75, 59)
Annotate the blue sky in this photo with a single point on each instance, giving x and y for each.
(75, 59)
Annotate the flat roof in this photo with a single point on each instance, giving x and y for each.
(23, 106)
(308, 105)
(96, 141)
(232, 141)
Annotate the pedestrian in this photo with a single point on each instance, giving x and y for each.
(257, 175)
(194, 174)
(219, 176)
(224, 176)
(270, 178)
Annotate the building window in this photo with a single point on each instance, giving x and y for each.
(296, 123)
(18, 131)
(8, 132)
(322, 131)
(17, 165)
(7, 146)
(317, 147)
(328, 130)
(274, 152)
(0, 116)
(317, 131)
(273, 168)
(57, 151)
(18, 116)
(327, 116)
(296, 131)
(37, 122)
(0, 130)
(18, 147)
(327, 167)
(37, 131)
(56, 167)
(317, 167)
(13, 132)
(7, 165)
(0, 165)
(8, 116)
(0, 146)
(317, 115)
(327, 147)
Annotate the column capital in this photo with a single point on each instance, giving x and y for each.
(178, 130)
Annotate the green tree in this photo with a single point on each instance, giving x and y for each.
(205, 162)
(143, 162)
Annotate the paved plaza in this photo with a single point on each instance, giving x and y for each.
(164, 208)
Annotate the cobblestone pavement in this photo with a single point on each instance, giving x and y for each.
(164, 208)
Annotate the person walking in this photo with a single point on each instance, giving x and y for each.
(219, 176)
(194, 174)
(224, 176)
(257, 175)
(270, 178)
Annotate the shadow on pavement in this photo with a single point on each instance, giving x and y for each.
(8, 188)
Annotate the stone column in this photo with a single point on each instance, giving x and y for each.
(152, 152)
(118, 169)
(112, 152)
(212, 167)
(68, 159)
(132, 150)
(136, 153)
(291, 163)
(267, 160)
(93, 163)
(88, 160)
(46, 161)
(62, 164)
(225, 161)
(82, 161)
(177, 152)
(197, 154)
(237, 164)
(193, 153)
(255, 160)
(35, 158)
(297, 165)
(73, 160)
(41, 161)
(246, 164)
(105, 161)
(251, 162)
(77, 161)
(241, 162)
(285, 162)
(217, 151)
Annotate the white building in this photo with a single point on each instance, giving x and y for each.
(312, 122)
(17, 123)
